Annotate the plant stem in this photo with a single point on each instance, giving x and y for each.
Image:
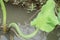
(4, 15)
(16, 27)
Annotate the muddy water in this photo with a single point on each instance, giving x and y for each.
(19, 15)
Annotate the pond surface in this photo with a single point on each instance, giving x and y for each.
(20, 15)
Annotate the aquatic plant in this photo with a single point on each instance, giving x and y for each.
(46, 20)
(13, 25)
(4, 14)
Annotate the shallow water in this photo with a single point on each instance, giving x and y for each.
(19, 15)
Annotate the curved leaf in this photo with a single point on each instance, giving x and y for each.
(46, 19)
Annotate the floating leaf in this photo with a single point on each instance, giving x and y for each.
(46, 19)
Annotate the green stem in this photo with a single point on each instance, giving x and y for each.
(14, 25)
(4, 13)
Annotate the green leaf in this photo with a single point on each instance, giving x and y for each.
(46, 19)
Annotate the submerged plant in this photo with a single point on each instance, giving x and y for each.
(13, 25)
(46, 20)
